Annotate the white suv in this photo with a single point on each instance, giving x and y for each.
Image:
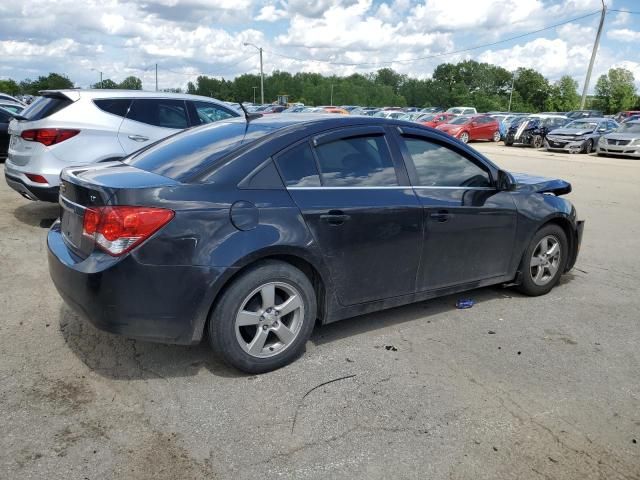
(74, 127)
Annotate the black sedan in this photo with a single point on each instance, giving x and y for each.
(252, 231)
(532, 130)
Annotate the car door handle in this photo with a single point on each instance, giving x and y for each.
(335, 217)
(440, 216)
(138, 138)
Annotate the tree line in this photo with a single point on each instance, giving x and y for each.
(484, 86)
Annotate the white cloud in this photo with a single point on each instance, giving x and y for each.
(623, 35)
(270, 13)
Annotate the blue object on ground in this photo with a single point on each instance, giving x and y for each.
(464, 303)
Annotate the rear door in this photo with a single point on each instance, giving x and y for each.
(4, 135)
(151, 119)
(470, 226)
(357, 202)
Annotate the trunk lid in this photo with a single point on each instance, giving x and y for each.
(541, 184)
(95, 186)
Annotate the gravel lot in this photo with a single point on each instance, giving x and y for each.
(553, 394)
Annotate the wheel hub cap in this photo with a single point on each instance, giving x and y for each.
(545, 260)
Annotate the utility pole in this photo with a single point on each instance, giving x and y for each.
(254, 94)
(593, 56)
(101, 86)
(156, 77)
(331, 101)
(261, 80)
(513, 79)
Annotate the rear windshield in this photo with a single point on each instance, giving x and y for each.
(45, 107)
(188, 153)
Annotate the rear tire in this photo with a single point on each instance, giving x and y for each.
(496, 136)
(544, 260)
(508, 143)
(264, 318)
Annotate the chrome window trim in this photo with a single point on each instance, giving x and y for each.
(69, 205)
(390, 188)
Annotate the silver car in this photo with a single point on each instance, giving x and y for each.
(66, 128)
(579, 136)
(624, 141)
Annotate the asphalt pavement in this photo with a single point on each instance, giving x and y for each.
(513, 388)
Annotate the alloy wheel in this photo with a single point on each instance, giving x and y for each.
(545, 260)
(464, 137)
(269, 319)
(537, 141)
(496, 136)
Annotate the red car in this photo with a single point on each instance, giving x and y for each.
(473, 127)
(436, 119)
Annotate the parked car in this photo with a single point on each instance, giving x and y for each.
(5, 118)
(504, 121)
(625, 141)
(77, 127)
(432, 110)
(621, 116)
(533, 129)
(367, 111)
(472, 127)
(575, 114)
(253, 231)
(350, 108)
(436, 119)
(631, 118)
(579, 136)
(295, 109)
(462, 111)
(273, 109)
(9, 98)
(338, 110)
(13, 107)
(389, 114)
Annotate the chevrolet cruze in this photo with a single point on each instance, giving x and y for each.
(255, 229)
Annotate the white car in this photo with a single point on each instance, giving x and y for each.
(66, 128)
(462, 111)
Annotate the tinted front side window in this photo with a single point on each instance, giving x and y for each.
(115, 106)
(298, 167)
(159, 112)
(439, 166)
(360, 161)
(210, 112)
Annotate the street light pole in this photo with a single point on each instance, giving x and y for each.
(331, 102)
(247, 44)
(96, 70)
(254, 94)
(593, 56)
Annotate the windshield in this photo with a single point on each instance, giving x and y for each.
(582, 125)
(45, 106)
(427, 118)
(455, 110)
(459, 120)
(632, 127)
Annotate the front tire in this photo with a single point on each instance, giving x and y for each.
(264, 318)
(537, 141)
(544, 260)
(588, 147)
(496, 136)
(464, 137)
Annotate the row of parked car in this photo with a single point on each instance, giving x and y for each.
(76, 127)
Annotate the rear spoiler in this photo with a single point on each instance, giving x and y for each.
(73, 95)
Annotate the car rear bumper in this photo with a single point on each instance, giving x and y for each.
(167, 304)
(30, 191)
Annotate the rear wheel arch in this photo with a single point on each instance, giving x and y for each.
(315, 275)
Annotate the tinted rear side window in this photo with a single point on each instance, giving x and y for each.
(115, 106)
(45, 107)
(189, 153)
(298, 167)
(159, 112)
(359, 161)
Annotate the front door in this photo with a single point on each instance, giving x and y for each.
(361, 211)
(470, 226)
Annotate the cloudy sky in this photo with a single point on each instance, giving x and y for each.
(191, 37)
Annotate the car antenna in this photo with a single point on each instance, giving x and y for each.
(249, 116)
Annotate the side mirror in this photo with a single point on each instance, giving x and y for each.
(506, 183)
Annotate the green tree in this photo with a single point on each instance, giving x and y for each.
(53, 81)
(9, 86)
(131, 83)
(107, 83)
(533, 90)
(563, 95)
(615, 91)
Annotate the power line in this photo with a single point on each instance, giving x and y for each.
(435, 55)
(623, 11)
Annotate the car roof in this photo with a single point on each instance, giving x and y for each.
(117, 93)
(591, 119)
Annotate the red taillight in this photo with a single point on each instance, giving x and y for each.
(119, 229)
(36, 178)
(49, 136)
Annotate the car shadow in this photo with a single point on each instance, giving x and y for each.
(121, 358)
(37, 214)
(396, 316)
